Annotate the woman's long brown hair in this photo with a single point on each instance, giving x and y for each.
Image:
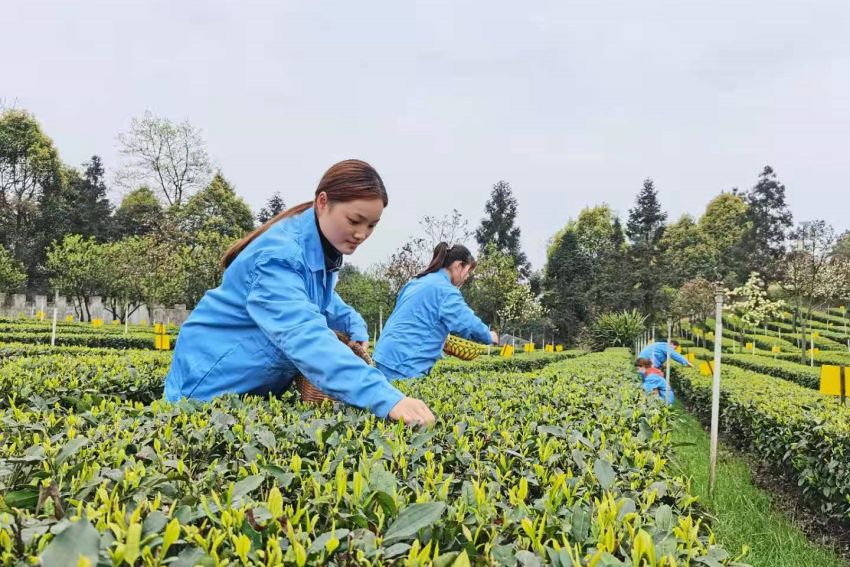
(348, 180)
(445, 256)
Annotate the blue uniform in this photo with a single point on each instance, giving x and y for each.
(657, 353)
(426, 311)
(271, 319)
(656, 382)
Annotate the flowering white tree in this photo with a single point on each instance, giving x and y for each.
(752, 301)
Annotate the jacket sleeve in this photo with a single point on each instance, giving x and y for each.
(343, 317)
(676, 356)
(461, 320)
(279, 304)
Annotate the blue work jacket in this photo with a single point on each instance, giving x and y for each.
(271, 319)
(657, 353)
(426, 311)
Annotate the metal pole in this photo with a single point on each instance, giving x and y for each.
(812, 341)
(667, 371)
(53, 334)
(381, 320)
(715, 390)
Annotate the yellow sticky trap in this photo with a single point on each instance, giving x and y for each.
(705, 368)
(776, 349)
(679, 349)
(116, 322)
(559, 348)
(830, 380)
(507, 351)
(691, 357)
(809, 351)
(39, 315)
(816, 335)
(749, 346)
(69, 318)
(159, 329)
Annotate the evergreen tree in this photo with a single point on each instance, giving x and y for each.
(273, 206)
(645, 228)
(565, 286)
(770, 219)
(498, 227)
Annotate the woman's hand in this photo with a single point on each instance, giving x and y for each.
(362, 344)
(411, 411)
(495, 337)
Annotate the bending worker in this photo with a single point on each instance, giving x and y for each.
(657, 353)
(653, 381)
(274, 313)
(428, 308)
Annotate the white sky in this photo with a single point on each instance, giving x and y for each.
(573, 103)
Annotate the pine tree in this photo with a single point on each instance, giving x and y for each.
(645, 228)
(498, 228)
(770, 219)
(273, 206)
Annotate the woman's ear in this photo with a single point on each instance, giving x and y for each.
(322, 201)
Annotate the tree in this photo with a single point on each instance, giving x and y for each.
(769, 221)
(89, 211)
(367, 292)
(601, 241)
(842, 246)
(29, 165)
(168, 156)
(124, 288)
(683, 254)
(695, 299)
(488, 289)
(216, 208)
(722, 229)
(415, 254)
(78, 269)
(564, 287)
(645, 228)
(199, 264)
(754, 305)
(12, 274)
(497, 227)
(806, 272)
(274, 206)
(140, 213)
(520, 309)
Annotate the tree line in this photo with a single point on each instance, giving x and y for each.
(162, 243)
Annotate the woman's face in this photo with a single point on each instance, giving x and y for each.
(347, 225)
(459, 273)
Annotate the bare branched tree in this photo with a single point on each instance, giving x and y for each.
(168, 156)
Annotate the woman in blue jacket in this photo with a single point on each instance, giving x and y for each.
(428, 308)
(274, 313)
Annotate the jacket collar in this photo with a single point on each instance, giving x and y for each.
(310, 240)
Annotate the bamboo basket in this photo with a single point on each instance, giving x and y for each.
(461, 348)
(311, 394)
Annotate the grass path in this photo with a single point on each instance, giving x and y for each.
(742, 514)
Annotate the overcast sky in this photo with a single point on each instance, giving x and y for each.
(573, 103)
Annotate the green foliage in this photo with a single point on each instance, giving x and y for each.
(215, 209)
(567, 465)
(498, 227)
(140, 213)
(769, 219)
(616, 329)
(12, 274)
(367, 293)
(645, 228)
(793, 429)
(803, 375)
(564, 282)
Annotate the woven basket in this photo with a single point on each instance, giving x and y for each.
(311, 394)
(461, 348)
